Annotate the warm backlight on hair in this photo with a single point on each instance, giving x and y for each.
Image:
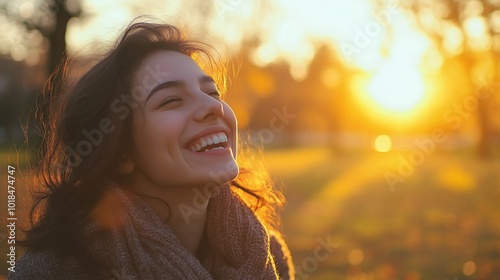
(382, 143)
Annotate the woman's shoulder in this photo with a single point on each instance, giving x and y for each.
(43, 265)
(282, 256)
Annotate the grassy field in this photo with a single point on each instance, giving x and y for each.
(442, 221)
(344, 221)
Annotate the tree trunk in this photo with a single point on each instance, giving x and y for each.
(57, 39)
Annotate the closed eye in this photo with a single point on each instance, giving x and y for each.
(170, 101)
(215, 94)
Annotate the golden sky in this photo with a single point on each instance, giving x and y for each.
(383, 41)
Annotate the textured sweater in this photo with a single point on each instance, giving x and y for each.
(138, 245)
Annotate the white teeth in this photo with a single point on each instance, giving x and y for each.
(209, 140)
(216, 148)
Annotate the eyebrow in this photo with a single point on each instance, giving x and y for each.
(178, 84)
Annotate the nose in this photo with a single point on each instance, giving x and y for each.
(208, 108)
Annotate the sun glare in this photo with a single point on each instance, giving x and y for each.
(397, 86)
(387, 47)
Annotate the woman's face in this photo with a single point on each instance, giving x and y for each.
(183, 133)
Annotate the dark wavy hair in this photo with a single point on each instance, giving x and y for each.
(79, 152)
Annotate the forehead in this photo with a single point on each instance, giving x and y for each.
(165, 66)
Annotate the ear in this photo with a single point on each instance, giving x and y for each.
(126, 165)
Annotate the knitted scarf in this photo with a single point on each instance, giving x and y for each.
(132, 240)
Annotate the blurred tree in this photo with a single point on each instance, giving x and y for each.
(63, 11)
(48, 17)
(11, 86)
(468, 30)
(35, 38)
(328, 94)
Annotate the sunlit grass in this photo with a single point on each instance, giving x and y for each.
(434, 225)
(439, 223)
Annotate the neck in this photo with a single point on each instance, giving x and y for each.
(183, 211)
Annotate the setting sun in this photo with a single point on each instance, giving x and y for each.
(397, 86)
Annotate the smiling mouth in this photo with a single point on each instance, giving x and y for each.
(215, 141)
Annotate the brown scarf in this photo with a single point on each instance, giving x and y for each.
(132, 240)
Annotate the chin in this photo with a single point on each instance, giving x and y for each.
(223, 173)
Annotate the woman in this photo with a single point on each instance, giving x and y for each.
(140, 176)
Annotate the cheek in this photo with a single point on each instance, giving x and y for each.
(138, 127)
(230, 119)
(153, 134)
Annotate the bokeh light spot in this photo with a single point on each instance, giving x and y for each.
(356, 256)
(469, 268)
(383, 143)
